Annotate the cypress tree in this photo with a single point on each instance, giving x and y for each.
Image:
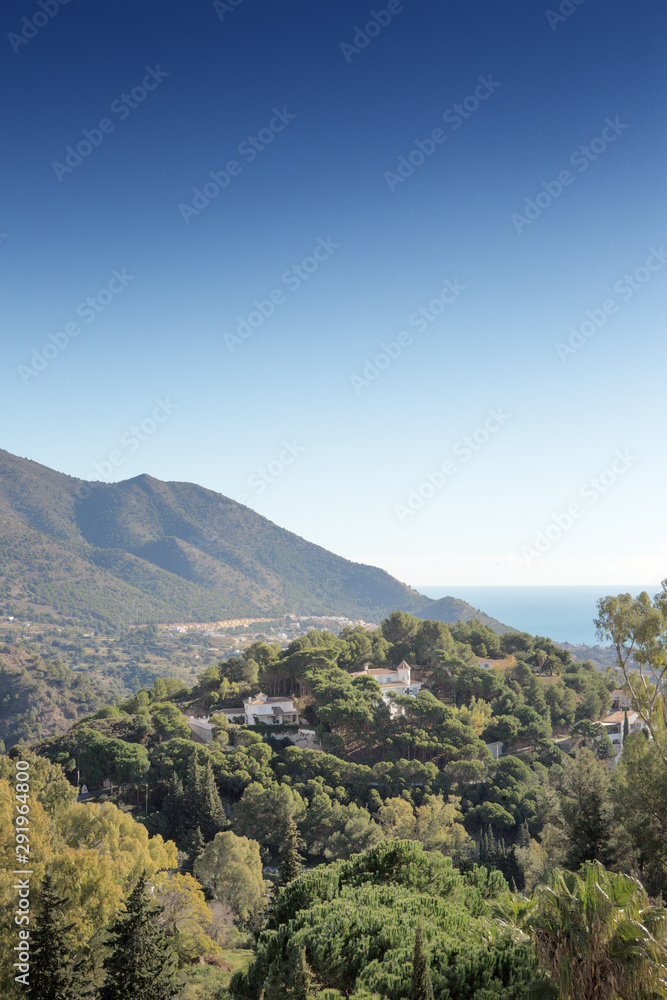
(422, 988)
(173, 807)
(192, 786)
(141, 964)
(210, 814)
(302, 979)
(291, 862)
(54, 975)
(274, 984)
(626, 726)
(197, 845)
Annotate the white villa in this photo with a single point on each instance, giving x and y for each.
(614, 726)
(270, 711)
(392, 681)
(619, 699)
(264, 709)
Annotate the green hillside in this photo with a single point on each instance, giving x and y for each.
(148, 551)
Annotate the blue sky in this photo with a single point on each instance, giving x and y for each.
(452, 191)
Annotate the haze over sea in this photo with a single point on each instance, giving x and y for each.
(564, 614)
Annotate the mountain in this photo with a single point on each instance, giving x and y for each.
(147, 551)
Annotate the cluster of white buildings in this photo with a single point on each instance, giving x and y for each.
(272, 711)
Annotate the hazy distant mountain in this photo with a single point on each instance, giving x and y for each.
(147, 551)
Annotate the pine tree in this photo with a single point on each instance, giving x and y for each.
(201, 804)
(302, 979)
(54, 975)
(422, 988)
(173, 808)
(291, 862)
(211, 814)
(197, 845)
(274, 985)
(141, 965)
(192, 788)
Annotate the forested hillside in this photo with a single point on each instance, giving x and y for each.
(41, 697)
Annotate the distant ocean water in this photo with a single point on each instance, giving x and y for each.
(564, 614)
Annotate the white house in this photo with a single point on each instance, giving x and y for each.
(614, 725)
(236, 714)
(269, 711)
(392, 681)
(619, 700)
(262, 708)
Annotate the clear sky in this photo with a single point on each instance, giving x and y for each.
(310, 254)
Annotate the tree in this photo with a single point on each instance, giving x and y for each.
(232, 868)
(211, 811)
(422, 988)
(596, 738)
(354, 919)
(54, 974)
(185, 916)
(637, 629)
(141, 965)
(169, 722)
(197, 845)
(587, 810)
(302, 979)
(353, 831)
(263, 813)
(291, 862)
(397, 819)
(598, 937)
(400, 627)
(641, 800)
(200, 804)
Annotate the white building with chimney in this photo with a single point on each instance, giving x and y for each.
(269, 711)
(392, 680)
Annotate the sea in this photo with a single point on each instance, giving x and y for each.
(564, 614)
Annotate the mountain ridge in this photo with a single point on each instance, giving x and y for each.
(146, 550)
